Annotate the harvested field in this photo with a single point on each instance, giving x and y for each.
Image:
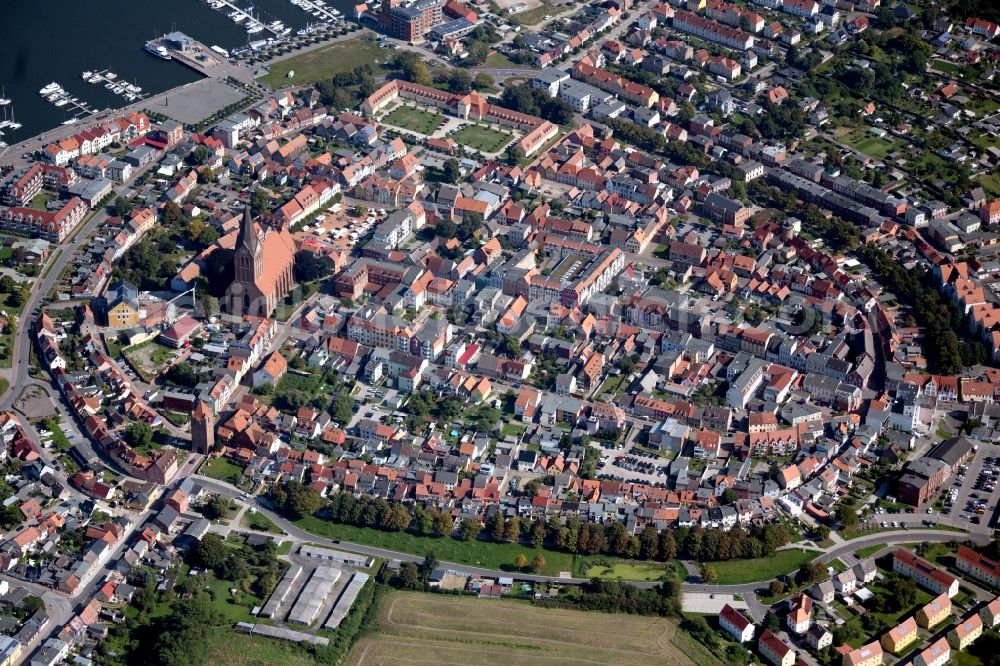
(435, 629)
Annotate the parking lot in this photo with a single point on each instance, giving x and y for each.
(632, 464)
(374, 403)
(972, 496)
(977, 488)
(704, 602)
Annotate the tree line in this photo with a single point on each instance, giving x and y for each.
(572, 536)
(942, 321)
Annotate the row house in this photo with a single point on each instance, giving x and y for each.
(734, 38)
(627, 90)
(54, 226)
(978, 566)
(24, 188)
(924, 573)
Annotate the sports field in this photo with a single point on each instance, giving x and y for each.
(420, 628)
(484, 139)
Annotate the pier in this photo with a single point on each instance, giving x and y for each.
(129, 91)
(239, 16)
(318, 9)
(195, 55)
(60, 97)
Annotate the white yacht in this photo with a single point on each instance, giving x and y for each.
(158, 50)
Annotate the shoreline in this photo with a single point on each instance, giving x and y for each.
(242, 72)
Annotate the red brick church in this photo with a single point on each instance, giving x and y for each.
(263, 263)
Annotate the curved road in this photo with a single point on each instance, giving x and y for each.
(746, 590)
(21, 352)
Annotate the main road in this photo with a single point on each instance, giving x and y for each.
(42, 287)
(747, 590)
(21, 351)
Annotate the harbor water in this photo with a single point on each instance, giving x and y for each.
(60, 39)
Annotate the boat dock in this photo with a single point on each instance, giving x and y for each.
(61, 98)
(318, 9)
(245, 18)
(129, 91)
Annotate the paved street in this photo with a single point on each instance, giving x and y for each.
(746, 590)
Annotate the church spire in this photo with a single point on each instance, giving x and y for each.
(248, 237)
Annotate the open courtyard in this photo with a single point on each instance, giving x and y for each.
(414, 119)
(482, 138)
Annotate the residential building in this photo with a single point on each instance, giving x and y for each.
(799, 614)
(937, 653)
(866, 655)
(978, 566)
(900, 637)
(934, 612)
(966, 632)
(775, 650)
(924, 573)
(734, 622)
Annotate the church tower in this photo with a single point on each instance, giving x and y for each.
(202, 429)
(249, 254)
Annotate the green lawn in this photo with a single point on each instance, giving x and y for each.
(984, 106)
(862, 553)
(223, 469)
(500, 61)
(474, 553)
(260, 522)
(298, 382)
(944, 66)
(536, 15)
(876, 147)
(59, 440)
(234, 608)
(321, 64)
(861, 139)
(837, 565)
(645, 571)
(484, 139)
(41, 201)
(613, 384)
(417, 120)
(991, 183)
(735, 572)
(981, 652)
(512, 429)
(964, 659)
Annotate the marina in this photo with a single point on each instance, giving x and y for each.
(255, 25)
(7, 125)
(245, 17)
(26, 64)
(60, 97)
(318, 9)
(129, 91)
